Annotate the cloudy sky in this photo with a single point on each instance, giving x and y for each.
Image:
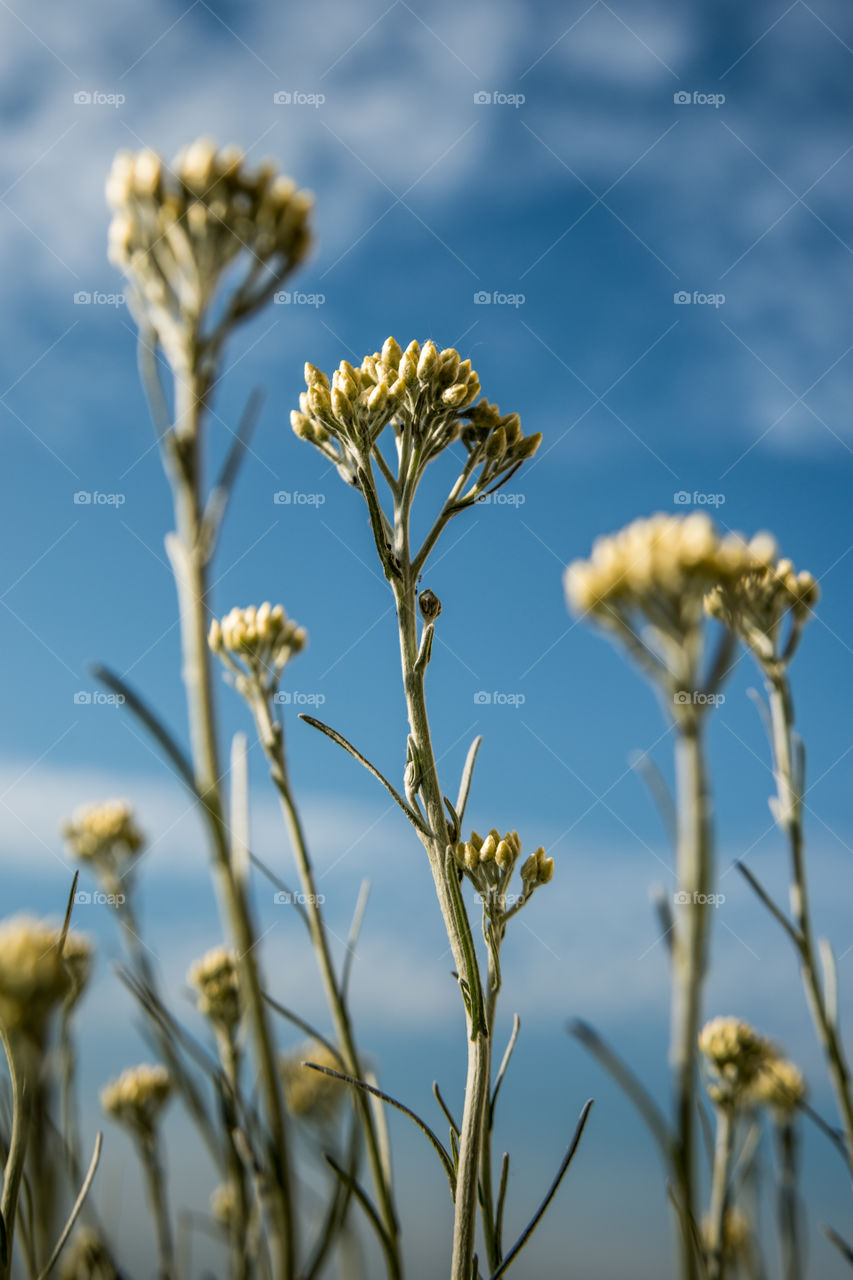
(635, 219)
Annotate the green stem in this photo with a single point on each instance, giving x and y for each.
(491, 1232)
(191, 578)
(791, 820)
(272, 741)
(155, 1179)
(694, 873)
(455, 920)
(723, 1149)
(789, 1225)
(21, 1122)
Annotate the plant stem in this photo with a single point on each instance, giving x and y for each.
(21, 1120)
(452, 910)
(789, 1226)
(156, 1182)
(694, 870)
(191, 580)
(487, 1203)
(272, 741)
(719, 1187)
(790, 818)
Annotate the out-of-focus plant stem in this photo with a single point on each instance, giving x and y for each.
(21, 1123)
(723, 1148)
(689, 946)
(272, 740)
(156, 1185)
(790, 818)
(190, 565)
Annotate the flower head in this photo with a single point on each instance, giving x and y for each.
(311, 1094)
(757, 603)
(34, 977)
(86, 1258)
(427, 396)
(178, 229)
(257, 643)
(224, 1205)
(780, 1086)
(735, 1053)
(106, 837)
(136, 1098)
(647, 583)
(216, 980)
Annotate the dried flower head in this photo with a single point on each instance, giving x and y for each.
(34, 978)
(215, 978)
(224, 1205)
(136, 1098)
(311, 1094)
(779, 1085)
(427, 396)
(78, 957)
(86, 1258)
(767, 607)
(177, 230)
(257, 643)
(647, 584)
(736, 1234)
(106, 837)
(735, 1053)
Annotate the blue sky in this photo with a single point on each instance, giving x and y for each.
(591, 205)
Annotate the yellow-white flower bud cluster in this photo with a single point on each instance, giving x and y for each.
(106, 829)
(257, 641)
(310, 1094)
(216, 979)
(756, 604)
(86, 1258)
(779, 1085)
(425, 393)
(736, 1054)
(177, 229)
(35, 977)
(136, 1098)
(489, 863)
(661, 566)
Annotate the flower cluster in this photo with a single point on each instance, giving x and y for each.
(757, 603)
(311, 1094)
(216, 980)
(427, 395)
(34, 976)
(178, 229)
(736, 1055)
(136, 1098)
(224, 1205)
(648, 583)
(489, 863)
(86, 1258)
(106, 837)
(780, 1086)
(257, 642)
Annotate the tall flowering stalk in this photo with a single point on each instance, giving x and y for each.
(204, 244)
(381, 424)
(646, 586)
(767, 609)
